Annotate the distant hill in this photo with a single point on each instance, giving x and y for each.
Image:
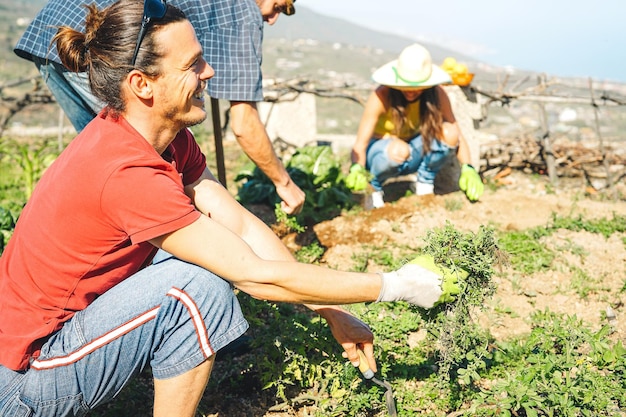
(307, 24)
(11, 28)
(330, 50)
(307, 44)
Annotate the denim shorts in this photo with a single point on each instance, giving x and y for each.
(426, 166)
(171, 316)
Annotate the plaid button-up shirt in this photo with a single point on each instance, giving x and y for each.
(230, 32)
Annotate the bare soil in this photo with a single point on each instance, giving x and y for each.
(521, 202)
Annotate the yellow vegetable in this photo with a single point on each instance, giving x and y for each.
(448, 64)
(460, 68)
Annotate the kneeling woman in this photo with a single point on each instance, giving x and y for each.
(408, 127)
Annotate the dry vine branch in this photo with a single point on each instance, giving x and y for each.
(19, 81)
(13, 105)
(541, 93)
(572, 159)
(303, 86)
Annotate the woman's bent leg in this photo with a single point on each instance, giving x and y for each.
(433, 161)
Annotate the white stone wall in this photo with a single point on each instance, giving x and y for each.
(292, 119)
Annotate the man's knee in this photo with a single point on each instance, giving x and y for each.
(209, 293)
(398, 150)
(204, 283)
(200, 316)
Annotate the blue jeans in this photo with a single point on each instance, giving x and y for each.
(71, 90)
(172, 316)
(426, 166)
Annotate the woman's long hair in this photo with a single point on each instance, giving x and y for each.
(431, 117)
(106, 47)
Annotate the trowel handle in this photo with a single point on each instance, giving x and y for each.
(364, 366)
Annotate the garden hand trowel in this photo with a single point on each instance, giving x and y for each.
(369, 375)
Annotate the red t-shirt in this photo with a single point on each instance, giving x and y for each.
(86, 228)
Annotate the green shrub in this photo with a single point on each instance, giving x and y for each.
(316, 170)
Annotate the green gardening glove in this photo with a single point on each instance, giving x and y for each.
(358, 178)
(471, 183)
(450, 278)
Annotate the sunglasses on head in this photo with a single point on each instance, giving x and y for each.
(152, 9)
(288, 8)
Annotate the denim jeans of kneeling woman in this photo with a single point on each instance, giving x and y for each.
(425, 166)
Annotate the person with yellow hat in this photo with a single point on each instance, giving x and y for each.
(408, 127)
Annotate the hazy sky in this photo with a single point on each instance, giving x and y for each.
(559, 37)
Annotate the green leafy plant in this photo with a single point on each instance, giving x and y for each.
(286, 221)
(311, 253)
(298, 351)
(561, 369)
(316, 170)
(26, 162)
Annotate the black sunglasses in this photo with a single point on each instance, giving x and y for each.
(152, 9)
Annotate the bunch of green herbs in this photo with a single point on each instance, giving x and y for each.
(460, 345)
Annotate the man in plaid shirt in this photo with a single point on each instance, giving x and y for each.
(231, 35)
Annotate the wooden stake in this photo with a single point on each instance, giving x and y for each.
(605, 161)
(219, 147)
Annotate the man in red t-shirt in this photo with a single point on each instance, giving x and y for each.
(82, 309)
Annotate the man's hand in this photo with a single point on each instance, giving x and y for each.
(357, 178)
(420, 282)
(350, 332)
(292, 197)
(250, 132)
(471, 183)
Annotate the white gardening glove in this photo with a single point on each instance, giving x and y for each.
(412, 283)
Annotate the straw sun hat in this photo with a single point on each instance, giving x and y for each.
(413, 69)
